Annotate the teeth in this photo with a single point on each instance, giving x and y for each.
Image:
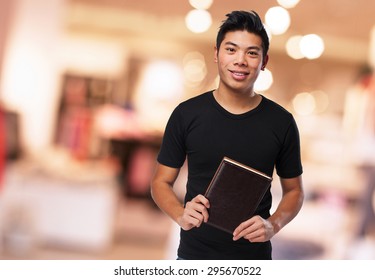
(238, 74)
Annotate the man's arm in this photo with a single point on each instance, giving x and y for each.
(192, 215)
(290, 204)
(257, 229)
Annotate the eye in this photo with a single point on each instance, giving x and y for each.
(253, 53)
(230, 50)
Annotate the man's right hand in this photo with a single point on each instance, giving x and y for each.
(195, 213)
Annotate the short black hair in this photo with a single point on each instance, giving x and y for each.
(243, 20)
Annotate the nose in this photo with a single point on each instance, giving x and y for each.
(240, 59)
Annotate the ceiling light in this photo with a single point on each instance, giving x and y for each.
(312, 46)
(287, 4)
(264, 80)
(278, 20)
(268, 31)
(198, 21)
(161, 81)
(201, 4)
(293, 47)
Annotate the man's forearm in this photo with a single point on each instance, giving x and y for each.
(167, 201)
(287, 210)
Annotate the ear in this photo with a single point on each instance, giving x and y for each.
(216, 54)
(265, 61)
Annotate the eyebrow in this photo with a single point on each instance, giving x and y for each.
(248, 48)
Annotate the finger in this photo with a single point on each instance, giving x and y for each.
(205, 215)
(255, 237)
(196, 207)
(197, 212)
(248, 227)
(199, 204)
(259, 233)
(203, 200)
(193, 212)
(240, 231)
(254, 222)
(194, 222)
(189, 223)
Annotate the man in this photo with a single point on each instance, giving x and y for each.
(236, 122)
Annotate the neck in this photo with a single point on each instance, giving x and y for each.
(237, 102)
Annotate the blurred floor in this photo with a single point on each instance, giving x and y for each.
(78, 213)
(140, 231)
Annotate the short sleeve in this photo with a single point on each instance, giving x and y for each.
(172, 151)
(288, 164)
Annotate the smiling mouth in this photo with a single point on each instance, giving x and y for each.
(239, 74)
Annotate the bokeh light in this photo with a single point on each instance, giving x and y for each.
(304, 103)
(264, 81)
(293, 47)
(201, 4)
(278, 20)
(198, 21)
(312, 46)
(287, 4)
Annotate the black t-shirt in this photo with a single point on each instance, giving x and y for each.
(203, 132)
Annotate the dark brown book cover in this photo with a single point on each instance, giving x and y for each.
(234, 193)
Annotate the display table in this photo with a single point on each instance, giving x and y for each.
(43, 209)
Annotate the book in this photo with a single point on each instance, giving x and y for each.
(235, 193)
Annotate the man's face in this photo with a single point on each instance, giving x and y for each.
(240, 59)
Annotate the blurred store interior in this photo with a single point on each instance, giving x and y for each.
(86, 87)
